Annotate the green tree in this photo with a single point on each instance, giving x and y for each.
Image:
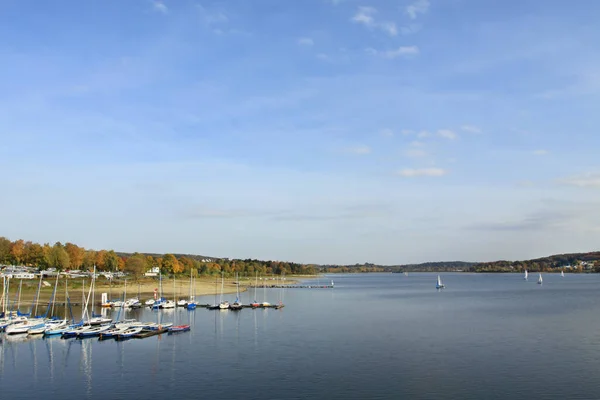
(57, 257)
(4, 250)
(34, 254)
(136, 265)
(111, 261)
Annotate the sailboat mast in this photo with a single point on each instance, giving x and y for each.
(19, 298)
(37, 296)
(66, 295)
(54, 295)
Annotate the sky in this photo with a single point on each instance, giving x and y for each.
(314, 131)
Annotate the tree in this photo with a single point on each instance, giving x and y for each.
(34, 254)
(89, 259)
(100, 260)
(57, 257)
(76, 255)
(136, 265)
(171, 265)
(17, 251)
(4, 250)
(111, 260)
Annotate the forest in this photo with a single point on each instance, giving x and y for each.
(69, 256)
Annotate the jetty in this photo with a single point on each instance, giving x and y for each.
(292, 286)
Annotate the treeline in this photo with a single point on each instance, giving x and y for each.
(574, 262)
(69, 256)
(424, 267)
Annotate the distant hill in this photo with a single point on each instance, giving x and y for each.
(156, 255)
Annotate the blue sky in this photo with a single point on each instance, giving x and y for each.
(325, 131)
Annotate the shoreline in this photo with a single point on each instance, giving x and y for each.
(204, 286)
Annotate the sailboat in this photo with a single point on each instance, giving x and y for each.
(255, 304)
(439, 284)
(191, 304)
(215, 306)
(540, 280)
(265, 303)
(170, 303)
(562, 274)
(223, 305)
(236, 304)
(525, 277)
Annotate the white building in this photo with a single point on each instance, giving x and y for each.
(153, 272)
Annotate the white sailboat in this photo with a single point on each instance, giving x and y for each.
(439, 284)
(223, 305)
(540, 279)
(236, 304)
(562, 274)
(525, 277)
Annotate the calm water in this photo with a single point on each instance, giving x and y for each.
(375, 336)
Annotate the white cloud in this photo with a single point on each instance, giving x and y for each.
(416, 143)
(423, 134)
(447, 134)
(539, 152)
(387, 132)
(305, 41)
(358, 150)
(366, 17)
(584, 180)
(418, 7)
(406, 132)
(411, 172)
(415, 153)
(160, 7)
(402, 51)
(470, 129)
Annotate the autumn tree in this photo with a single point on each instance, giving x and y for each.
(76, 255)
(17, 251)
(100, 260)
(171, 265)
(89, 259)
(136, 265)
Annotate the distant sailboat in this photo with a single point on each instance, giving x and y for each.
(562, 274)
(525, 275)
(439, 284)
(540, 280)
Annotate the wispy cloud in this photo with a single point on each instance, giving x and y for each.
(588, 180)
(305, 41)
(470, 129)
(407, 132)
(387, 132)
(416, 8)
(212, 17)
(402, 51)
(160, 7)
(416, 153)
(366, 17)
(447, 134)
(423, 172)
(535, 221)
(423, 134)
(358, 150)
(540, 152)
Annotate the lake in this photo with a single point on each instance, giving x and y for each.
(375, 336)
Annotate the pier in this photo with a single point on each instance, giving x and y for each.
(291, 286)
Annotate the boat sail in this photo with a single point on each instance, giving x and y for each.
(223, 305)
(439, 284)
(525, 277)
(236, 304)
(540, 279)
(562, 274)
